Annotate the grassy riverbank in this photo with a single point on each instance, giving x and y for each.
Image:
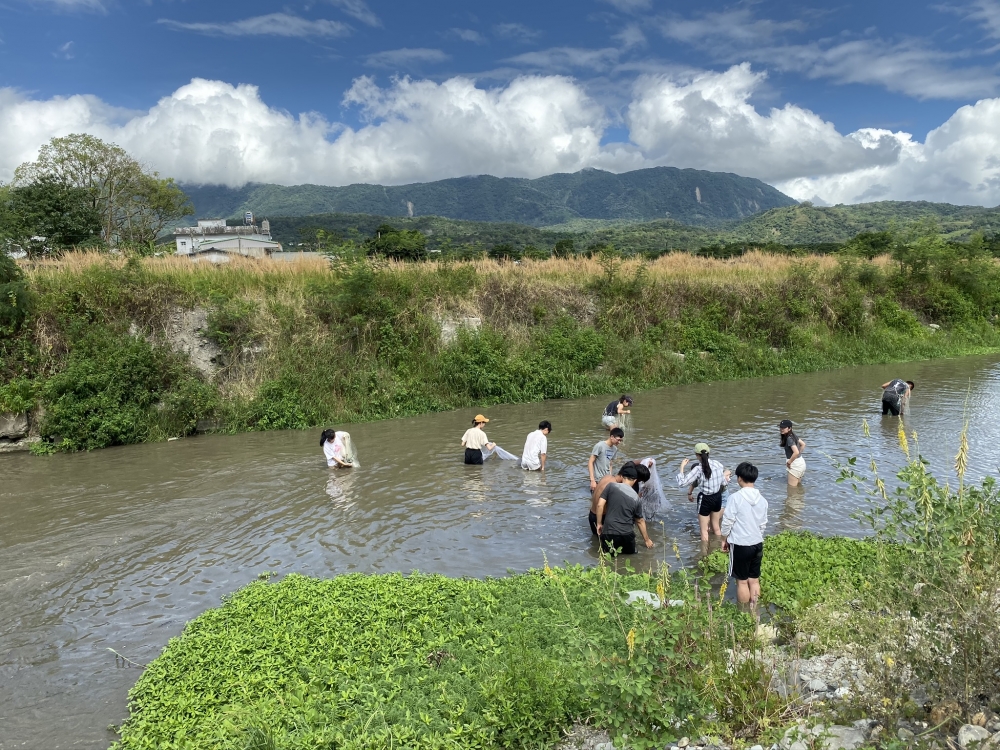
(102, 344)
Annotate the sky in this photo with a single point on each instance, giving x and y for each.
(835, 102)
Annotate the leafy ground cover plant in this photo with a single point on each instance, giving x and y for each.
(423, 661)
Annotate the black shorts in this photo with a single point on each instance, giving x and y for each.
(473, 456)
(888, 407)
(618, 544)
(709, 504)
(744, 562)
(592, 517)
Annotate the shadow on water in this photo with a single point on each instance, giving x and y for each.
(119, 548)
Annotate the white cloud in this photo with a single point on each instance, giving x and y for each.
(708, 122)
(987, 13)
(273, 24)
(416, 130)
(405, 57)
(565, 59)
(359, 10)
(738, 25)
(64, 51)
(631, 6)
(468, 35)
(516, 31)
(959, 162)
(631, 36)
(96, 5)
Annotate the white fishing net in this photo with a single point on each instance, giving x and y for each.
(344, 449)
(651, 494)
(499, 453)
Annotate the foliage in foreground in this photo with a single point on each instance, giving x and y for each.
(422, 661)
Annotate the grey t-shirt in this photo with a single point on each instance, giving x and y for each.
(602, 466)
(622, 509)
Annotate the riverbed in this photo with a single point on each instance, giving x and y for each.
(117, 549)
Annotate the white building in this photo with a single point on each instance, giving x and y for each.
(213, 240)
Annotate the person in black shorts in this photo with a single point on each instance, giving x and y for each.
(743, 534)
(712, 478)
(619, 512)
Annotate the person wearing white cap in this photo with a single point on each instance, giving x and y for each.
(474, 440)
(712, 477)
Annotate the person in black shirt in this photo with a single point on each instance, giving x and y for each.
(895, 395)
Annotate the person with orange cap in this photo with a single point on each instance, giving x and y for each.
(474, 440)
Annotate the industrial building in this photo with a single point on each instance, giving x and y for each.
(213, 240)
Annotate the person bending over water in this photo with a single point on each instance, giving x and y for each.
(795, 465)
(536, 447)
(895, 396)
(614, 410)
(643, 475)
(474, 440)
(618, 511)
(338, 449)
(712, 477)
(599, 463)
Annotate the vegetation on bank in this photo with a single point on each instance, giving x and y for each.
(423, 661)
(309, 343)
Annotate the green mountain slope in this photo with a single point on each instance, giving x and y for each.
(806, 224)
(688, 196)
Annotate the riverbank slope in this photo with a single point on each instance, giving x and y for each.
(112, 351)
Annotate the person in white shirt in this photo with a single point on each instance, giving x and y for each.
(536, 447)
(338, 449)
(743, 525)
(710, 475)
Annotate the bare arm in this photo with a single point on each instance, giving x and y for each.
(590, 468)
(641, 524)
(600, 514)
(885, 385)
(795, 454)
(543, 461)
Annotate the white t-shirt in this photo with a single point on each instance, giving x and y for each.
(333, 448)
(536, 444)
(475, 438)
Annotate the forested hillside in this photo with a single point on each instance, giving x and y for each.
(689, 196)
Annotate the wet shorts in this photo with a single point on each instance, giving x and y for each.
(709, 504)
(608, 421)
(473, 456)
(890, 407)
(798, 468)
(744, 562)
(618, 544)
(592, 517)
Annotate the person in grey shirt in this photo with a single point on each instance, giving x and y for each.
(619, 511)
(599, 463)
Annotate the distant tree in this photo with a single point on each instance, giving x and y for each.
(870, 244)
(48, 215)
(504, 251)
(134, 204)
(407, 244)
(535, 253)
(564, 248)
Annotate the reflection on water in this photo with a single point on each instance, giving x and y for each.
(119, 548)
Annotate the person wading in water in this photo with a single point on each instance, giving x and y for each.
(474, 440)
(614, 410)
(895, 396)
(712, 478)
(795, 465)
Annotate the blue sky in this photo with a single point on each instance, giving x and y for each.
(904, 68)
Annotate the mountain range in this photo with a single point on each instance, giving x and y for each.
(688, 196)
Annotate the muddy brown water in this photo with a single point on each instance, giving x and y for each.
(119, 548)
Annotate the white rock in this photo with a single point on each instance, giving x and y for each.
(817, 686)
(606, 746)
(843, 738)
(643, 597)
(970, 733)
(757, 747)
(683, 742)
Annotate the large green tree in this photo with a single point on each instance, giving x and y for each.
(134, 203)
(406, 244)
(47, 215)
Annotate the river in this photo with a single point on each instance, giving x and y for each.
(119, 548)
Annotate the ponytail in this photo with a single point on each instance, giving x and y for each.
(327, 435)
(706, 469)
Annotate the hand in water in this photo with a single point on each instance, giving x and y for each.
(649, 544)
(600, 528)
